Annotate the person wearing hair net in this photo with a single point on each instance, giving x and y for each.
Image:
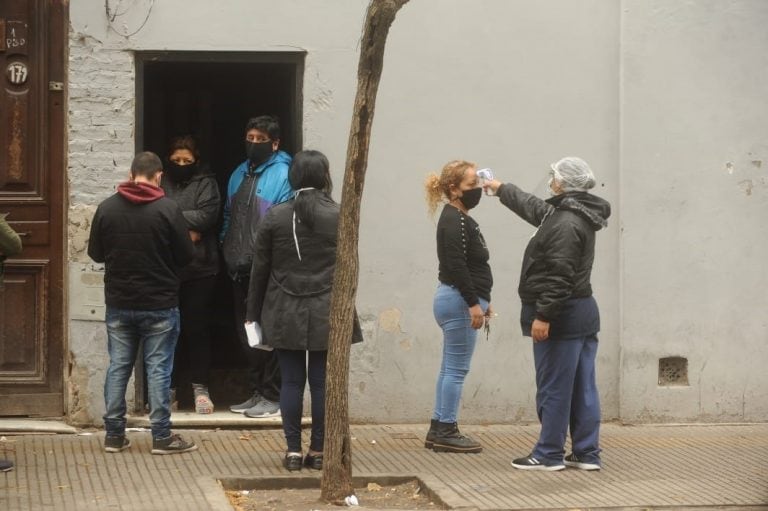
(560, 313)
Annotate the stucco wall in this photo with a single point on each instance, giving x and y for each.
(510, 86)
(513, 85)
(694, 201)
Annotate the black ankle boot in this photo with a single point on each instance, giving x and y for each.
(431, 434)
(448, 438)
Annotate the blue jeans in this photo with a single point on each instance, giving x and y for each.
(566, 396)
(295, 372)
(452, 314)
(158, 331)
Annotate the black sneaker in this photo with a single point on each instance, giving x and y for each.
(6, 466)
(174, 444)
(314, 461)
(531, 463)
(573, 461)
(116, 443)
(292, 461)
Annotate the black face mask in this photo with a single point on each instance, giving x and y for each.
(180, 173)
(258, 152)
(471, 198)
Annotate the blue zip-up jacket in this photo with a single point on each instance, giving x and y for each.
(267, 186)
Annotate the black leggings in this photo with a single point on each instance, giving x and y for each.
(295, 372)
(195, 305)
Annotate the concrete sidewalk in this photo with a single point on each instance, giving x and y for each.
(704, 466)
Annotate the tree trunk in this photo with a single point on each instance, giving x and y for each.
(337, 464)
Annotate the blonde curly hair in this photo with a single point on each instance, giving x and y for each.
(438, 187)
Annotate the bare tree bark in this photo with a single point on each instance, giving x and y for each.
(337, 464)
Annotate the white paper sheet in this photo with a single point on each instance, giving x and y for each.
(253, 331)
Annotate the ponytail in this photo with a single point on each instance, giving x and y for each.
(438, 188)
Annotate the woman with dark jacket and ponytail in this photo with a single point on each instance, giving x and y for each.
(559, 312)
(289, 295)
(190, 184)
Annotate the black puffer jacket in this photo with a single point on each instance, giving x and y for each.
(142, 238)
(557, 264)
(198, 198)
(288, 296)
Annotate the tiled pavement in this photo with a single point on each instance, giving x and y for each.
(707, 466)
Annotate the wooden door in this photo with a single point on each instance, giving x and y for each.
(32, 191)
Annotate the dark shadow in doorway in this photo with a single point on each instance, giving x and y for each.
(211, 95)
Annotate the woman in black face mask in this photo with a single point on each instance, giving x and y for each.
(193, 187)
(462, 300)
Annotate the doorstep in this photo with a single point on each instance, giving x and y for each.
(223, 419)
(9, 426)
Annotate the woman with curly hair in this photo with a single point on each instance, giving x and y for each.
(462, 300)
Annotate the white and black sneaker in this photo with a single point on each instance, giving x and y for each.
(573, 461)
(117, 443)
(174, 444)
(531, 463)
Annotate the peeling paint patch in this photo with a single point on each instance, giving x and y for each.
(406, 344)
(78, 394)
(79, 226)
(389, 321)
(748, 186)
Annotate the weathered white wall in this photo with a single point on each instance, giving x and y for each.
(694, 201)
(509, 85)
(513, 85)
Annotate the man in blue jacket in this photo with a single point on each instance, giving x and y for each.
(256, 185)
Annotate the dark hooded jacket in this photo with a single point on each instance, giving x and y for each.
(557, 264)
(198, 197)
(143, 239)
(291, 277)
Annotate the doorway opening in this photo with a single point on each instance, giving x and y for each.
(211, 95)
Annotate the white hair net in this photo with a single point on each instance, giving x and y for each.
(573, 174)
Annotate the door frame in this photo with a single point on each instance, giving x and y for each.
(296, 58)
(58, 59)
(295, 123)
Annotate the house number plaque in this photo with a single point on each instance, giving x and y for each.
(17, 73)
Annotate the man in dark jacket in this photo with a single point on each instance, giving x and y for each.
(143, 239)
(10, 245)
(560, 314)
(254, 187)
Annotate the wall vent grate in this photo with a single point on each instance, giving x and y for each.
(673, 371)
